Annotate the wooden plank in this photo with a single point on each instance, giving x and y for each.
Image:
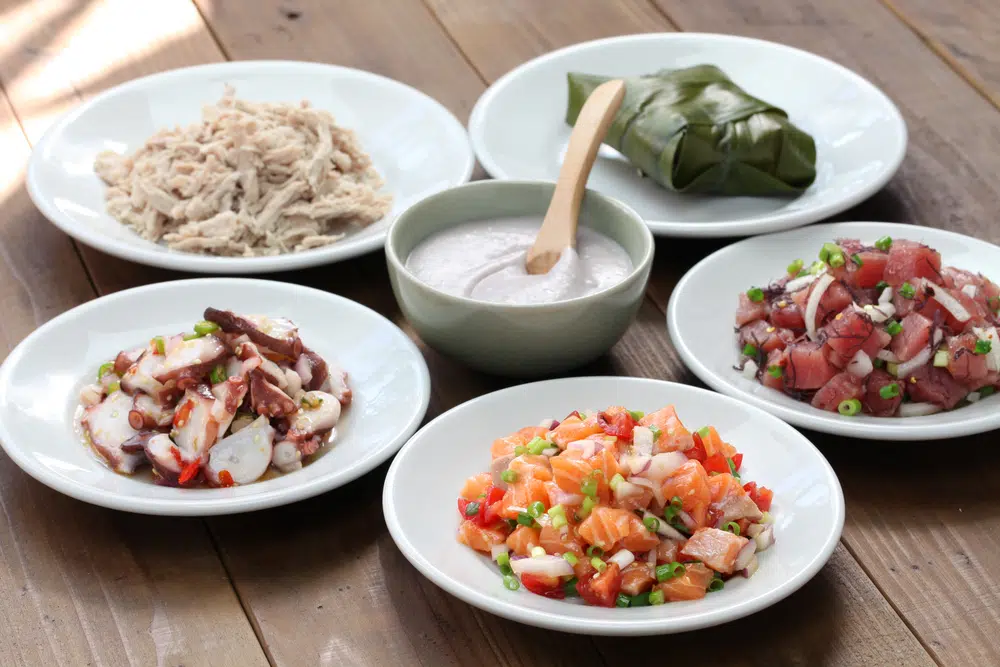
(78, 584)
(963, 34)
(946, 181)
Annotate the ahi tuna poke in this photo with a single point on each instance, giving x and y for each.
(618, 508)
(882, 329)
(222, 405)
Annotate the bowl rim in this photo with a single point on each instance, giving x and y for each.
(639, 269)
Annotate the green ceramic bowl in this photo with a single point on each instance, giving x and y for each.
(517, 340)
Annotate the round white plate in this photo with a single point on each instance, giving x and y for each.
(41, 379)
(423, 482)
(703, 305)
(417, 145)
(518, 129)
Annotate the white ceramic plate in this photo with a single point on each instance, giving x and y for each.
(424, 480)
(518, 129)
(702, 307)
(41, 379)
(417, 145)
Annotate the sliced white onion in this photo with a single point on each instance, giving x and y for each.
(765, 538)
(812, 306)
(918, 409)
(755, 529)
(637, 463)
(547, 423)
(745, 555)
(627, 489)
(687, 520)
(751, 568)
(561, 497)
(970, 290)
(885, 296)
(750, 369)
(916, 362)
(663, 465)
(938, 336)
(642, 440)
(860, 365)
(551, 451)
(586, 447)
(545, 566)
(973, 397)
(622, 558)
(948, 302)
(655, 488)
(880, 313)
(498, 549)
(888, 356)
(796, 284)
(993, 356)
(651, 558)
(665, 529)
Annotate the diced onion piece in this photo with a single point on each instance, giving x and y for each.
(663, 465)
(796, 284)
(547, 423)
(497, 469)
(636, 463)
(970, 290)
(545, 566)
(626, 489)
(918, 409)
(812, 306)
(755, 529)
(551, 451)
(642, 440)
(622, 558)
(880, 313)
(655, 488)
(751, 568)
(938, 336)
(537, 552)
(498, 549)
(860, 366)
(887, 356)
(941, 358)
(885, 296)
(687, 520)
(765, 538)
(587, 447)
(665, 529)
(948, 302)
(973, 397)
(916, 362)
(993, 356)
(745, 555)
(750, 369)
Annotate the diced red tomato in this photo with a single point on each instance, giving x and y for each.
(602, 590)
(762, 496)
(737, 461)
(550, 587)
(716, 463)
(492, 504)
(617, 422)
(698, 451)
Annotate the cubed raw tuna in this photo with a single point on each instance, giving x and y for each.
(807, 366)
(776, 359)
(748, 311)
(834, 300)
(850, 331)
(929, 384)
(909, 260)
(873, 402)
(764, 336)
(914, 337)
(964, 364)
(786, 314)
(841, 387)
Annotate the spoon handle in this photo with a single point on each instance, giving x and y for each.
(559, 226)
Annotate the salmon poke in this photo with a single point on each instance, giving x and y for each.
(617, 508)
(883, 329)
(222, 405)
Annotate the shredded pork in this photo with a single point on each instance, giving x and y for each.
(251, 179)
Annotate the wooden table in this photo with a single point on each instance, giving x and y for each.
(914, 581)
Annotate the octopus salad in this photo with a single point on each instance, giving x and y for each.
(217, 406)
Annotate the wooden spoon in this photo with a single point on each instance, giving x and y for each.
(559, 226)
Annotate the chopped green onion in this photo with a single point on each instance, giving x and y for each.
(113, 387)
(538, 445)
(520, 450)
(732, 527)
(105, 368)
(652, 523)
(850, 407)
(837, 261)
(525, 519)
(703, 432)
(218, 374)
(509, 476)
(571, 558)
(941, 358)
(159, 344)
(856, 258)
(889, 391)
(884, 243)
(817, 268)
(589, 487)
(775, 371)
(588, 505)
(594, 550)
(893, 327)
(983, 346)
(676, 503)
(656, 597)
(598, 564)
(511, 523)
(881, 285)
(656, 431)
(716, 585)
(827, 251)
(640, 600)
(557, 511)
(906, 291)
(893, 369)
(671, 510)
(732, 468)
(503, 559)
(569, 588)
(755, 294)
(676, 569)
(511, 583)
(537, 552)
(192, 336)
(663, 572)
(616, 480)
(986, 391)
(622, 600)
(750, 350)
(559, 521)
(795, 267)
(205, 327)
(506, 569)
(472, 509)
(636, 414)
(878, 363)
(536, 509)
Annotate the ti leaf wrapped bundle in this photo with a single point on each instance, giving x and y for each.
(695, 131)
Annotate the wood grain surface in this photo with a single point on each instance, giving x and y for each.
(320, 582)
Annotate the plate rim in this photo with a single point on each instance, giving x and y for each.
(513, 612)
(218, 506)
(899, 429)
(716, 229)
(209, 264)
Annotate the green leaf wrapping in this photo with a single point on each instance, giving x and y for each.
(695, 131)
